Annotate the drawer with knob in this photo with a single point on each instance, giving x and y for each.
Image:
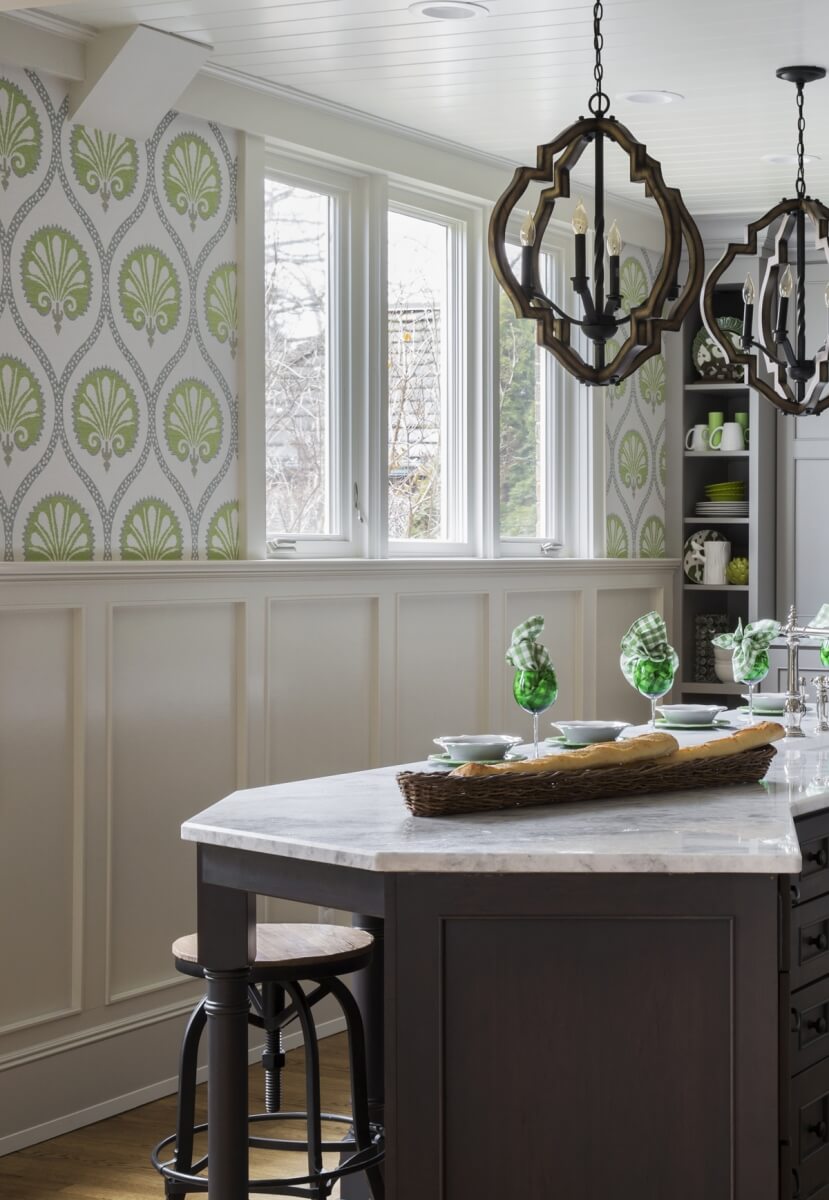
(813, 880)
(809, 942)
(809, 1026)
(809, 1126)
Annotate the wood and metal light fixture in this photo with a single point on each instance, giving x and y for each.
(797, 382)
(600, 301)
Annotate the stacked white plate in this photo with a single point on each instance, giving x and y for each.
(722, 508)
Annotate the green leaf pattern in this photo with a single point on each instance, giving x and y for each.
(617, 538)
(58, 530)
(223, 533)
(652, 540)
(21, 407)
(56, 275)
(633, 283)
(151, 531)
(192, 180)
(221, 305)
(193, 423)
(20, 136)
(633, 460)
(104, 163)
(652, 381)
(105, 415)
(149, 291)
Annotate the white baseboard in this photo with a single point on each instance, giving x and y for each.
(118, 1104)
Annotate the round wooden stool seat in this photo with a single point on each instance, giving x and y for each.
(291, 952)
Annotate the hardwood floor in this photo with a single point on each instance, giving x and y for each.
(110, 1160)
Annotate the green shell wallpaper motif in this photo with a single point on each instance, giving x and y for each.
(104, 164)
(58, 530)
(118, 335)
(105, 415)
(223, 533)
(635, 438)
(151, 531)
(192, 181)
(21, 407)
(56, 275)
(149, 291)
(221, 306)
(193, 423)
(20, 136)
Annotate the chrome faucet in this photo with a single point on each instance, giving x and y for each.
(795, 706)
(821, 685)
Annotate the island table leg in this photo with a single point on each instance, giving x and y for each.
(367, 986)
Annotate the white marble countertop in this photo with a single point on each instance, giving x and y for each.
(359, 820)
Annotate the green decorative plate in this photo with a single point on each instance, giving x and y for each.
(708, 357)
(443, 760)
(663, 724)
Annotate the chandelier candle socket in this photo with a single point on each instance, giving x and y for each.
(797, 382)
(599, 299)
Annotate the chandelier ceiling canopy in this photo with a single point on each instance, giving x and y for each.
(617, 341)
(796, 382)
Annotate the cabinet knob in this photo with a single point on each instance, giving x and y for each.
(820, 1129)
(821, 856)
(820, 1025)
(821, 941)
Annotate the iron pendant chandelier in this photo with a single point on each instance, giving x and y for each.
(797, 383)
(602, 317)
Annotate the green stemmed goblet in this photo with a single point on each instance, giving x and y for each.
(752, 676)
(535, 692)
(653, 680)
(824, 653)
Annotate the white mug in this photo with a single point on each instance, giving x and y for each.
(728, 437)
(717, 556)
(696, 438)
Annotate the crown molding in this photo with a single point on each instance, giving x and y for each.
(73, 31)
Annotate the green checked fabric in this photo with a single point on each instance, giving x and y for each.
(647, 638)
(525, 652)
(748, 645)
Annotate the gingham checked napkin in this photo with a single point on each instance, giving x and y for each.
(525, 652)
(748, 644)
(646, 638)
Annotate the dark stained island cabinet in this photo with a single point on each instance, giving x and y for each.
(625, 1001)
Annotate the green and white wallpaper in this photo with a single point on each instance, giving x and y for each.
(636, 467)
(118, 335)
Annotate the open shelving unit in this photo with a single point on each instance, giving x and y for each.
(752, 536)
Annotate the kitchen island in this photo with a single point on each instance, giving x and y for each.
(580, 1001)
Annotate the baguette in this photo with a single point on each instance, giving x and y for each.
(604, 754)
(749, 738)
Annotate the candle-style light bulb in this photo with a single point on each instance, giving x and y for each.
(527, 233)
(748, 290)
(614, 240)
(580, 221)
(787, 283)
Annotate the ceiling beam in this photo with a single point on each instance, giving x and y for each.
(133, 76)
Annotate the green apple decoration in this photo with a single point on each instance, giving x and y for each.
(737, 571)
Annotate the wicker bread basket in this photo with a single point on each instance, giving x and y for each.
(435, 794)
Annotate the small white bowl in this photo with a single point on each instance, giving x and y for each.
(590, 731)
(473, 747)
(690, 714)
(767, 701)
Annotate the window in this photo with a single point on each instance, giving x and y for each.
(529, 422)
(426, 371)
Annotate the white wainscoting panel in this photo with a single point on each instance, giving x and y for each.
(173, 750)
(322, 686)
(442, 669)
(132, 695)
(41, 803)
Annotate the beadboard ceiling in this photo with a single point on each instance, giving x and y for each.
(504, 82)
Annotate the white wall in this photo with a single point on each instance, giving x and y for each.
(134, 695)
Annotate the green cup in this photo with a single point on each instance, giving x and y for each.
(716, 420)
(742, 420)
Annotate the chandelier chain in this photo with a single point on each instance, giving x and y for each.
(599, 102)
(801, 150)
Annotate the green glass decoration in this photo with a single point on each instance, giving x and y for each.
(824, 654)
(653, 678)
(749, 659)
(535, 692)
(756, 672)
(648, 661)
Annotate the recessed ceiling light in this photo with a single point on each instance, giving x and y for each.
(448, 10)
(651, 97)
(789, 160)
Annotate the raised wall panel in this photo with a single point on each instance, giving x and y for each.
(173, 751)
(811, 560)
(616, 611)
(322, 686)
(562, 637)
(442, 669)
(40, 866)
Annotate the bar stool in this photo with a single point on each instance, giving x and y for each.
(285, 955)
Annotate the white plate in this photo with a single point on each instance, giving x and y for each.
(669, 725)
(443, 760)
(477, 747)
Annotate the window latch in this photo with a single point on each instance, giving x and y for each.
(361, 516)
(550, 548)
(282, 544)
